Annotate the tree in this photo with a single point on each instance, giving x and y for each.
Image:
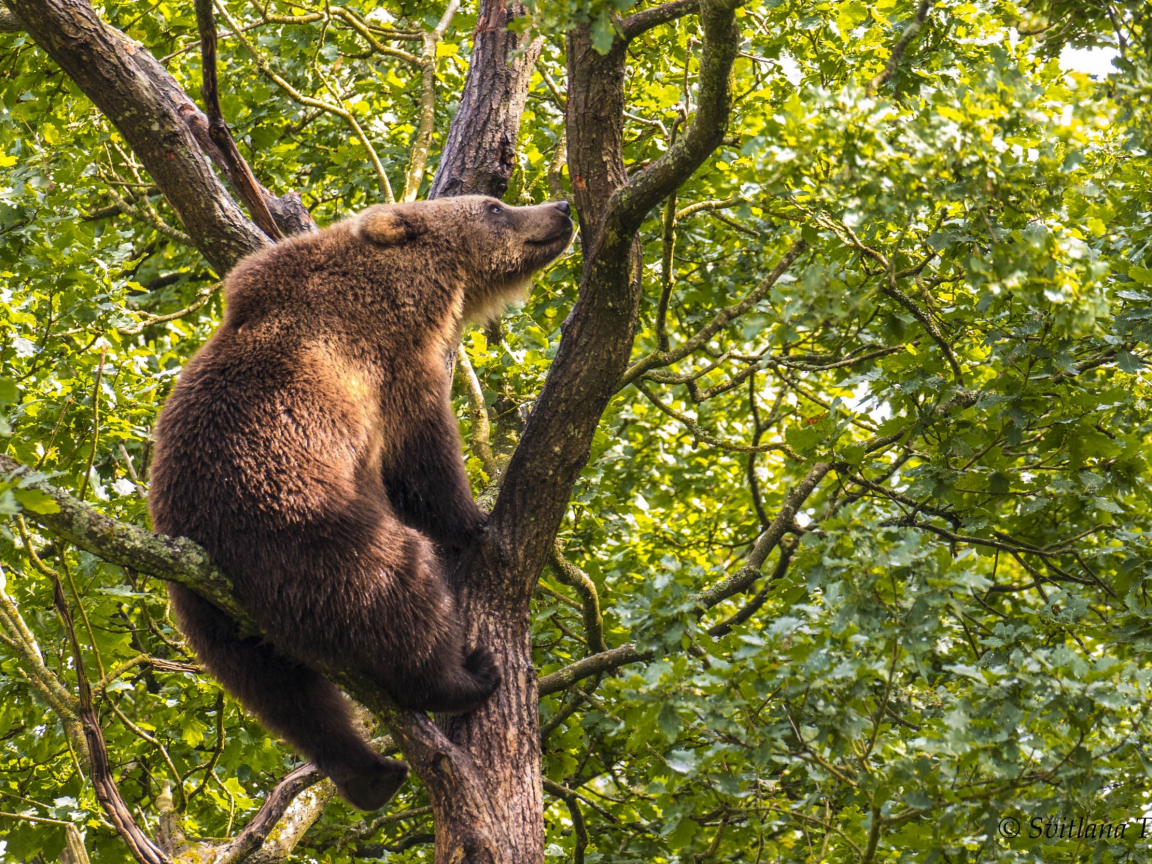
(815, 471)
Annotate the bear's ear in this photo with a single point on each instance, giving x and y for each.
(390, 224)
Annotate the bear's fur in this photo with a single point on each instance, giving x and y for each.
(311, 448)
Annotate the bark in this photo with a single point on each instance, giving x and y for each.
(74, 851)
(494, 776)
(593, 354)
(480, 151)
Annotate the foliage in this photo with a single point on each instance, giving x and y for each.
(958, 629)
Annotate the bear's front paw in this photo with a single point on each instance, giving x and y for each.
(372, 790)
(479, 525)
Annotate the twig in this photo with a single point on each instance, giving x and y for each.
(707, 438)
(95, 421)
(561, 102)
(718, 322)
(29, 818)
(848, 236)
(338, 110)
(177, 777)
(149, 319)
(898, 49)
(708, 206)
(143, 849)
(422, 143)
(578, 828)
(481, 426)
(144, 216)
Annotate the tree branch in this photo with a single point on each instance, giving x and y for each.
(572, 576)
(596, 664)
(578, 828)
(244, 844)
(781, 525)
(898, 49)
(719, 321)
(144, 103)
(340, 110)
(480, 148)
(422, 143)
(641, 22)
(632, 202)
(481, 426)
(174, 559)
(238, 169)
(701, 435)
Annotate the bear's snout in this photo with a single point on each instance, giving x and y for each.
(560, 229)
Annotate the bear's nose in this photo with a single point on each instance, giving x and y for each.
(564, 208)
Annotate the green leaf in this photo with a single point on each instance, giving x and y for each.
(36, 501)
(849, 15)
(1143, 275)
(1128, 362)
(603, 32)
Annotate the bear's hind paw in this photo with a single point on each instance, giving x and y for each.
(481, 665)
(373, 790)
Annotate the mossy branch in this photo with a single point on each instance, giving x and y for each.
(175, 559)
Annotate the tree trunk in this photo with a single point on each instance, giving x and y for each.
(503, 737)
(480, 151)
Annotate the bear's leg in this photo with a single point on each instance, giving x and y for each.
(392, 615)
(291, 700)
(427, 484)
(463, 688)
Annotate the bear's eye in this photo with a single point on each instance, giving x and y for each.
(495, 209)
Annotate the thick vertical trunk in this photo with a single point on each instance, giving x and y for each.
(503, 737)
(480, 151)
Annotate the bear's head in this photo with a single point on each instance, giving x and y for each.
(499, 246)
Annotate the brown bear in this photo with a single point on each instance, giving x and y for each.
(311, 448)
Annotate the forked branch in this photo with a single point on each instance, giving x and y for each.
(632, 202)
